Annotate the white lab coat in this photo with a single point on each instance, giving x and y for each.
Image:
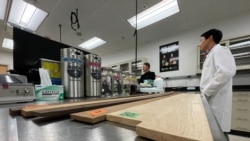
(216, 83)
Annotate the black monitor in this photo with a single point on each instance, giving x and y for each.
(29, 48)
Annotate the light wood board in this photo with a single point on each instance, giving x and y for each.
(97, 115)
(177, 118)
(68, 108)
(14, 111)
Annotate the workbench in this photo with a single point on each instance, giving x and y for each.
(19, 128)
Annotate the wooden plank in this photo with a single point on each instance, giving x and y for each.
(177, 118)
(89, 106)
(68, 108)
(98, 115)
(15, 111)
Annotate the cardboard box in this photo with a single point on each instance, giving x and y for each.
(53, 92)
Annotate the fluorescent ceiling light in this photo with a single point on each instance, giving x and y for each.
(92, 43)
(3, 4)
(7, 43)
(159, 11)
(25, 15)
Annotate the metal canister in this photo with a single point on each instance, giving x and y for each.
(106, 81)
(72, 72)
(93, 75)
(117, 82)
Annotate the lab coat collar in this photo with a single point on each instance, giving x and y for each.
(215, 46)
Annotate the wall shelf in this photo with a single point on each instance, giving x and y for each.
(241, 57)
(240, 48)
(129, 66)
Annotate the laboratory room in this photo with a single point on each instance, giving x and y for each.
(124, 70)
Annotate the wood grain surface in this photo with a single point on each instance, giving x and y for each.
(14, 111)
(176, 118)
(97, 115)
(68, 108)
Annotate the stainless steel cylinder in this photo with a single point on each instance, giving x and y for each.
(106, 81)
(72, 72)
(93, 75)
(117, 82)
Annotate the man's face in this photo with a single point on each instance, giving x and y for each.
(204, 43)
(145, 68)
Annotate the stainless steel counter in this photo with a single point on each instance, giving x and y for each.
(64, 129)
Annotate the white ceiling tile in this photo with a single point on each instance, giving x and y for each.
(100, 21)
(127, 8)
(107, 19)
(118, 31)
(115, 46)
(88, 7)
(46, 5)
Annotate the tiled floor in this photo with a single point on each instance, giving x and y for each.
(238, 138)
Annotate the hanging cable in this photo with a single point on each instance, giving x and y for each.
(136, 36)
(60, 32)
(75, 25)
(74, 20)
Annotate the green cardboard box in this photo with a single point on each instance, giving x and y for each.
(53, 92)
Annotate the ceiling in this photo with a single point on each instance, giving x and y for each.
(107, 19)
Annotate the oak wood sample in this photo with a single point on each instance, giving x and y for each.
(98, 115)
(14, 111)
(177, 118)
(68, 108)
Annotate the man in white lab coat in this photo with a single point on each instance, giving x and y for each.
(216, 80)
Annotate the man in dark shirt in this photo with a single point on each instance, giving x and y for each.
(147, 74)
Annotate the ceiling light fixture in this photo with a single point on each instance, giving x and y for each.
(92, 43)
(7, 43)
(159, 11)
(3, 4)
(25, 15)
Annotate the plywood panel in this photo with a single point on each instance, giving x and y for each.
(14, 111)
(54, 110)
(98, 115)
(177, 118)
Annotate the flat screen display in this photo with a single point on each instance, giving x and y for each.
(29, 48)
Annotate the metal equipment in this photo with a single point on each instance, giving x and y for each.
(93, 75)
(14, 88)
(72, 72)
(106, 81)
(117, 82)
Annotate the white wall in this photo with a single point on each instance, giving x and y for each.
(188, 42)
(6, 58)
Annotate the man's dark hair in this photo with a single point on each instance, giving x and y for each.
(217, 35)
(147, 64)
